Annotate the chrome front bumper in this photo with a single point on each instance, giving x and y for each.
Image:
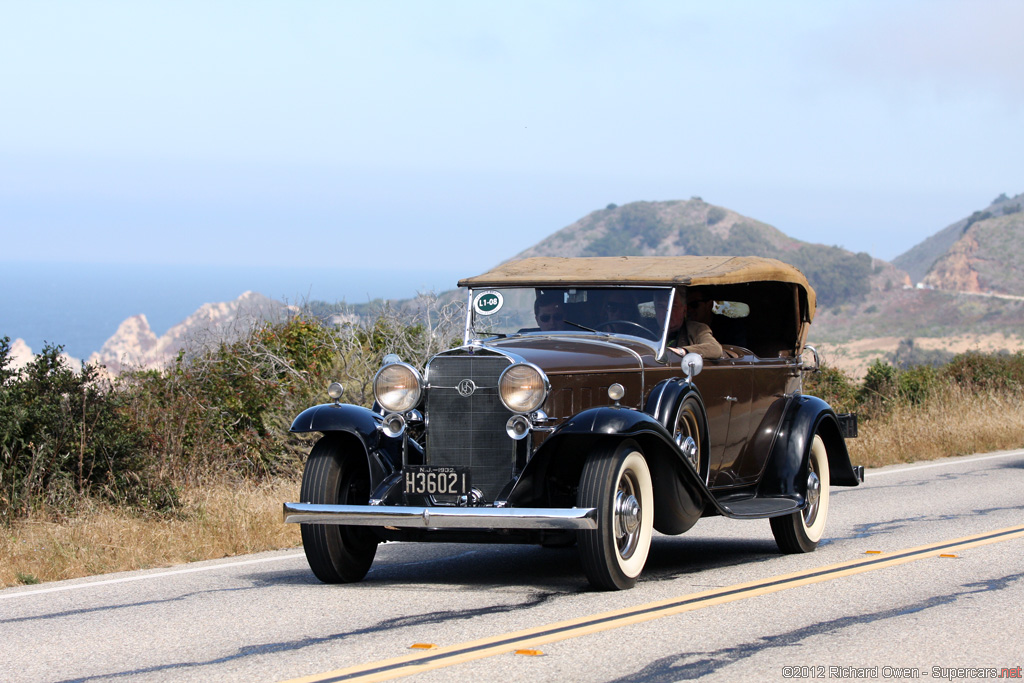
(441, 517)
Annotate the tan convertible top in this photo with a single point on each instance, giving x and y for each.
(641, 270)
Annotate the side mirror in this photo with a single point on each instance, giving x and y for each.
(693, 363)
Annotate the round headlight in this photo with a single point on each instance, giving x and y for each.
(397, 387)
(522, 388)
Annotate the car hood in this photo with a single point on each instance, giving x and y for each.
(576, 353)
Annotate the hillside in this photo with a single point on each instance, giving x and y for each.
(675, 228)
(987, 245)
(970, 297)
(987, 257)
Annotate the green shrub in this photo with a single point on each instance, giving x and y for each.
(917, 383)
(222, 411)
(65, 434)
(833, 386)
(715, 215)
(987, 371)
(880, 380)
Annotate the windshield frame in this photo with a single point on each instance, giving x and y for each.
(658, 343)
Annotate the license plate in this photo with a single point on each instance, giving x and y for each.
(436, 480)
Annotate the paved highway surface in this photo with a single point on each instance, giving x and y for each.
(894, 592)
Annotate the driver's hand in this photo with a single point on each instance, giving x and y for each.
(677, 350)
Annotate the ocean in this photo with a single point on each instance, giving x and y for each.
(80, 306)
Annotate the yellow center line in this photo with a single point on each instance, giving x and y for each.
(437, 658)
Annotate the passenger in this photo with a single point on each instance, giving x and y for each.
(686, 334)
(549, 311)
(699, 305)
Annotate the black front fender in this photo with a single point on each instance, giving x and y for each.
(356, 425)
(551, 476)
(340, 417)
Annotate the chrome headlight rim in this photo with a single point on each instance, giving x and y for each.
(522, 409)
(410, 399)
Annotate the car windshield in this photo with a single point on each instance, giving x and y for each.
(635, 311)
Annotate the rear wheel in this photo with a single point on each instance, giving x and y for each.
(617, 482)
(333, 476)
(801, 531)
(690, 435)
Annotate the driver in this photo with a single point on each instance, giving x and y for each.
(549, 310)
(619, 307)
(686, 334)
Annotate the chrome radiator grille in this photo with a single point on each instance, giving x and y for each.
(469, 431)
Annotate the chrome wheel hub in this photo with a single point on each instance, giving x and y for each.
(627, 522)
(689, 449)
(813, 497)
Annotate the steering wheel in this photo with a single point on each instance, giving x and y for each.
(644, 332)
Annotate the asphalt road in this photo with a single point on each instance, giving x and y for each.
(890, 594)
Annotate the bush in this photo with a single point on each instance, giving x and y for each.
(879, 383)
(833, 386)
(886, 386)
(715, 215)
(221, 412)
(918, 383)
(987, 372)
(64, 435)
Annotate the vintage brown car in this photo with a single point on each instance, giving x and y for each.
(566, 416)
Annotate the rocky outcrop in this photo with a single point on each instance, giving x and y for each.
(133, 345)
(955, 271)
(136, 346)
(21, 355)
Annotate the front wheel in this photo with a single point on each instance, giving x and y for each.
(617, 482)
(333, 476)
(801, 531)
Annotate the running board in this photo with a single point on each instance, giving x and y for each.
(758, 508)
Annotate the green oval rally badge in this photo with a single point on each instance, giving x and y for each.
(487, 303)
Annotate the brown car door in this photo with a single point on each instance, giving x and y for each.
(769, 380)
(725, 386)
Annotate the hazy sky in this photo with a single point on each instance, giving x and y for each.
(452, 135)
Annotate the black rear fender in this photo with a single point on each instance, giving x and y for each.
(665, 397)
(786, 470)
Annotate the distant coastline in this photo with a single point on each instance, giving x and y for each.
(81, 305)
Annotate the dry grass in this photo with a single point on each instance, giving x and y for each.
(215, 521)
(954, 422)
(223, 520)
